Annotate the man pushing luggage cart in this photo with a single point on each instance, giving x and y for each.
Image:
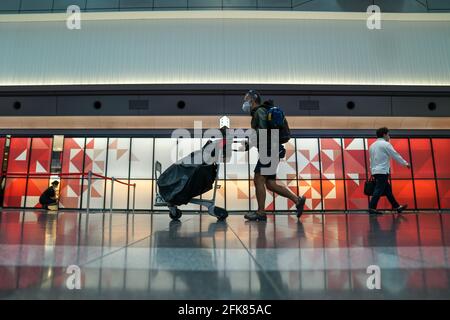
(186, 179)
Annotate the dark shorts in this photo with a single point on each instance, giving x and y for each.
(259, 165)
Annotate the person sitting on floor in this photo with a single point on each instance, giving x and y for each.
(48, 197)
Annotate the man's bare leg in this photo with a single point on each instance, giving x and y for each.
(285, 192)
(260, 186)
(272, 185)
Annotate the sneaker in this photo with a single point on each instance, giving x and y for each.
(401, 208)
(374, 211)
(300, 206)
(255, 216)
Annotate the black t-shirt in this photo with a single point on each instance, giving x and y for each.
(48, 194)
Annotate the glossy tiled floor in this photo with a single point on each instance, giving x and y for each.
(145, 256)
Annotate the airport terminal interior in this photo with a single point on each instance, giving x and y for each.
(91, 95)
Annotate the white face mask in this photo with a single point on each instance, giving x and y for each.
(246, 107)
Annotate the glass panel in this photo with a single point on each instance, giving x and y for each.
(331, 158)
(441, 148)
(282, 203)
(41, 153)
(399, 171)
(220, 195)
(354, 158)
(444, 193)
(19, 155)
(70, 193)
(97, 194)
(333, 194)
(404, 193)
(72, 162)
(141, 158)
(186, 146)
(143, 194)
(426, 194)
(35, 188)
(14, 192)
(422, 160)
(237, 195)
(287, 169)
(165, 151)
(73, 155)
(311, 190)
(308, 158)
(269, 205)
(356, 199)
(237, 167)
(221, 164)
(118, 158)
(95, 155)
(120, 195)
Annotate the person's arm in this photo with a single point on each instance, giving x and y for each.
(394, 154)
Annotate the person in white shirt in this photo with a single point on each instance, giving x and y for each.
(381, 152)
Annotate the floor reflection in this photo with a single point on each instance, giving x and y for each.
(148, 256)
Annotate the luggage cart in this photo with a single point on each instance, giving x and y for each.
(175, 213)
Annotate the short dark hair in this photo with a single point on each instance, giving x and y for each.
(255, 96)
(382, 131)
(55, 183)
(269, 103)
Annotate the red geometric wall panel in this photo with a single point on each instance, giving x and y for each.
(311, 190)
(422, 159)
(41, 154)
(18, 155)
(72, 162)
(333, 194)
(356, 199)
(444, 193)
(340, 163)
(441, 148)
(403, 192)
(426, 195)
(399, 171)
(95, 157)
(35, 187)
(355, 173)
(354, 158)
(308, 158)
(14, 195)
(331, 158)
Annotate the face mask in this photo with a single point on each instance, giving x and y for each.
(246, 107)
